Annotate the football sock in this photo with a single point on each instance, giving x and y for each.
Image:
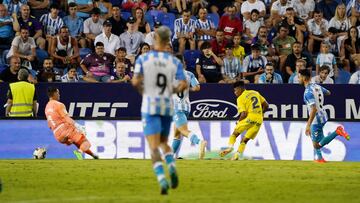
(232, 140)
(194, 139)
(170, 161)
(326, 140)
(319, 154)
(159, 170)
(241, 148)
(176, 145)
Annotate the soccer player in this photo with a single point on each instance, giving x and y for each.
(314, 99)
(154, 77)
(182, 110)
(251, 106)
(65, 130)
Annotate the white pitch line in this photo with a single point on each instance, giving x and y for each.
(61, 199)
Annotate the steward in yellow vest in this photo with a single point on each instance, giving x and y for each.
(21, 97)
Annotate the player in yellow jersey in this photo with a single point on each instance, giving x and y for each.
(251, 106)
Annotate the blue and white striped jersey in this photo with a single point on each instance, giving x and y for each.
(181, 99)
(51, 26)
(180, 26)
(314, 95)
(159, 70)
(207, 25)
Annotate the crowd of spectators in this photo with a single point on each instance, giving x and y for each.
(258, 41)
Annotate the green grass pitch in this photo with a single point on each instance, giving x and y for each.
(200, 181)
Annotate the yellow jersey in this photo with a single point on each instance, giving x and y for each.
(250, 101)
(239, 52)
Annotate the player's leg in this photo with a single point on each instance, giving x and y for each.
(316, 136)
(239, 128)
(168, 153)
(250, 134)
(83, 146)
(339, 131)
(176, 141)
(152, 130)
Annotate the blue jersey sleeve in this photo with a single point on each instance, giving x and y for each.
(138, 69)
(309, 99)
(180, 75)
(193, 81)
(324, 90)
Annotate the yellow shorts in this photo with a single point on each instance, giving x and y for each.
(252, 128)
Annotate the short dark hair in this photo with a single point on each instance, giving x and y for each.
(55, 6)
(122, 49)
(305, 72)
(96, 11)
(324, 67)
(240, 84)
(99, 44)
(24, 27)
(255, 47)
(255, 11)
(318, 11)
(205, 45)
(289, 9)
(51, 91)
(283, 25)
(185, 11)
(72, 4)
(229, 45)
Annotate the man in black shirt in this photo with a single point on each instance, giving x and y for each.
(290, 62)
(118, 23)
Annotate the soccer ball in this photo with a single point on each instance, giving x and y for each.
(39, 153)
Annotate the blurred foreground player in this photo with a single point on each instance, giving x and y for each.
(154, 77)
(251, 106)
(314, 99)
(65, 130)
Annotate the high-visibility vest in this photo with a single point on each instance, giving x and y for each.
(22, 96)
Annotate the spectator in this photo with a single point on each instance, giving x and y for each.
(184, 31)
(75, 24)
(7, 26)
(33, 25)
(85, 7)
(300, 65)
(130, 4)
(22, 99)
(238, 50)
(120, 75)
(349, 47)
(270, 77)
(51, 23)
(297, 53)
(326, 58)
(72, 76)
(150, 37)
(252, 25)
(10, 74)
(271, 30)
(254, 64)
(105, 8)
(131, 39)
(323, 77)
(48, 73)
(355, 77)
(208, 65)
(98, 65)
(231, 70)
(335, 42)
(304, 9)
(340, 21)
(111, 42)
(181, 5)
(121, 57)
(278, 9)
(39, 7)
(64, 49)
(118, 23)
(283, 45)
(144, 48)
(13, 6)
(24, 47)
(249, 5)
(317, 28)
(327, 7)
(296, 25)
(218, 44)
(205, 29)
(140, 22)
(265, 45)
(230, 24)
(355, 12)
(93, 26)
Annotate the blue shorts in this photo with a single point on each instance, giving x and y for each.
(317, 133)
(180, 118)
(156, 124)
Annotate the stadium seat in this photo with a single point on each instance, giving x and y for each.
(116, 2)
(214, 18)
(343, 77)
(167, 19)
(3, 67)
(3, 59)
(190, 57)
(150, 19)
(154, 14)
(84, 52)
(125, 15)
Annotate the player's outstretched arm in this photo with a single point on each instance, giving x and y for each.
(242, 116)
(265, 106)
(195, 88)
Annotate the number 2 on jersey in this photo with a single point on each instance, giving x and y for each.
(255, 102)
